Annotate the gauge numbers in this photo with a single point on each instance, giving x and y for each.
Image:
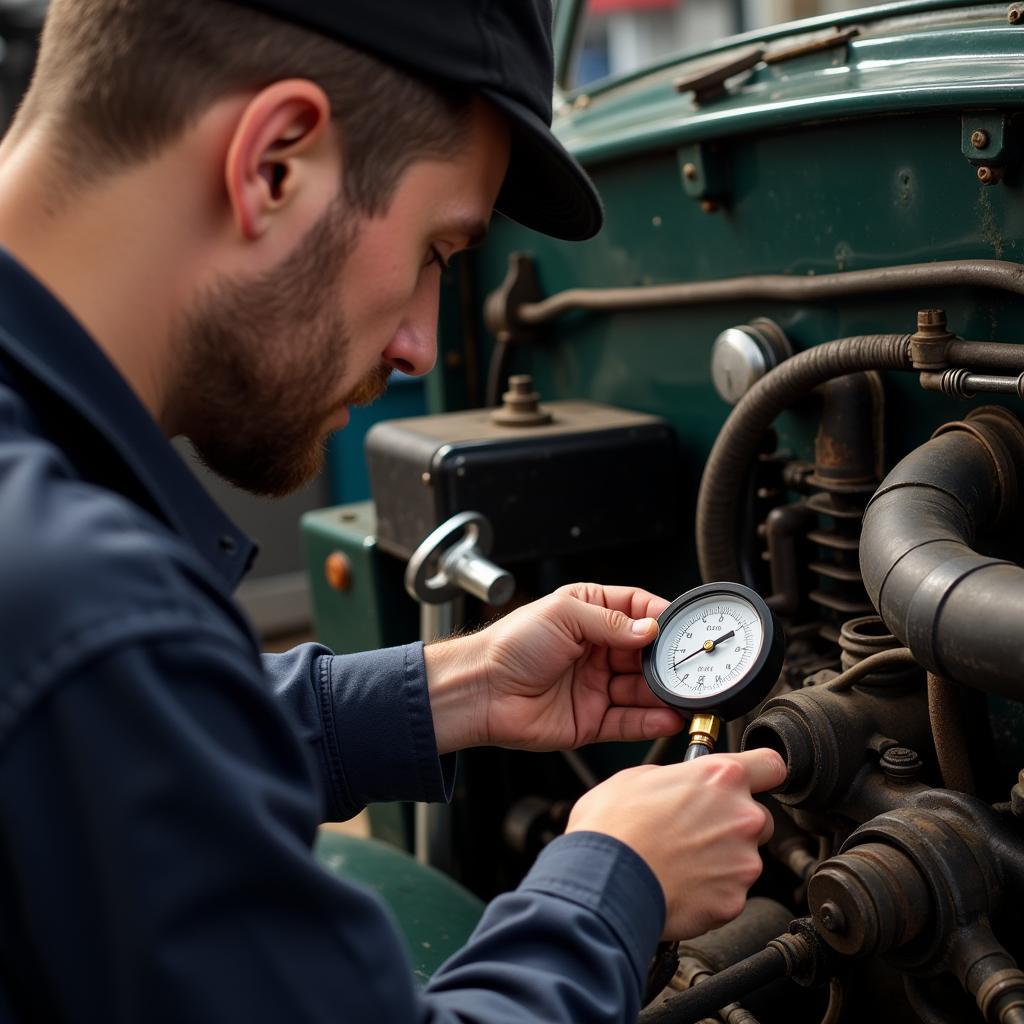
(709, 646)
(719, 650)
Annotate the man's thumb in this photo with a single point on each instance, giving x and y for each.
(613, 628)
(646, 629)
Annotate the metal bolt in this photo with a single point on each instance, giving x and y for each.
(901, 764)
(426, 479)
(520, 406)
(979, 139)
(989, 175)
(1017, 797)
(1015, 14)
(690, 172)
(709, 206)
(931, 318)
(832, 918)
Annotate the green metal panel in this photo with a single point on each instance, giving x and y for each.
(938, 60)
(374, 611)
(569, 12)
(435, 914)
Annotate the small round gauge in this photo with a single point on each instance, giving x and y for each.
(719, 649)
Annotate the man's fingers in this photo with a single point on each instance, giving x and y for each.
(768, 828)
(632, 691)
(610, 627)
(625, 663)
(765, 769)
(638, 724)
(637, 604)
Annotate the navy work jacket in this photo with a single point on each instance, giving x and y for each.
(161, 784)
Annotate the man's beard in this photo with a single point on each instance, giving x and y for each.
(263, 362)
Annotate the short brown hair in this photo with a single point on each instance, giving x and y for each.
(121, 78)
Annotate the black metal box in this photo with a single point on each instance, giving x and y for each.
(595, 477)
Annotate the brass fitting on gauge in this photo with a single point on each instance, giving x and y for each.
(704, 729)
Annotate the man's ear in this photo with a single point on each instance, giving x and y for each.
(280, 152)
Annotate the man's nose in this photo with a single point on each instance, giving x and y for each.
(413, 349)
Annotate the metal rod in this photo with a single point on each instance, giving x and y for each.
(581, 768)
(1001, 275)
(962, 383)
(719, 990)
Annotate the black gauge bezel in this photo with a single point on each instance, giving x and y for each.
(758, 681)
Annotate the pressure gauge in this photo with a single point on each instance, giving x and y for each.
(718, 653)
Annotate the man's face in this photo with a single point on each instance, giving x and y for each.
(275, 362)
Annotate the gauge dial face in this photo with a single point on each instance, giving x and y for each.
(709, 646)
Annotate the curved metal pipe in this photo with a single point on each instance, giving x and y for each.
(738, 441)
(998, 274)
(961, 613)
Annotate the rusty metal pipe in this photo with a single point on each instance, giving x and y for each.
(951, 749)
(960, 612)
(720, 989)
(1001, 275)
(737, 444)
(989, 355)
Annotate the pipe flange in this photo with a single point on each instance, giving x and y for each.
(1001, 434)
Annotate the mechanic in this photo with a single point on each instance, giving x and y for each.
(227, 221)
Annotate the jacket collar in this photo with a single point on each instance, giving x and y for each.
(71, 384)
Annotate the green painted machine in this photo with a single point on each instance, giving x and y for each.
(812, 272)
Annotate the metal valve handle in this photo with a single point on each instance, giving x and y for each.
(453, 560)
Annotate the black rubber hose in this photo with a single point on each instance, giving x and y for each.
(728, 466)
(706, 997)
(961, 613)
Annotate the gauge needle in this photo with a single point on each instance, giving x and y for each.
(707, 647)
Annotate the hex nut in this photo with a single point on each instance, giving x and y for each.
(832, 918)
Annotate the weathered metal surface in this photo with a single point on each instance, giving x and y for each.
(828, 736)
(543, 487)
(895, 64)
(368, 612)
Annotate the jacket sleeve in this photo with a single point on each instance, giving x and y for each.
(367, 719)
(159, 811)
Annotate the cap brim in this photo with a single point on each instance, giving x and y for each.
(545, 188)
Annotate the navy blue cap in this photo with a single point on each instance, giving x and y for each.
(500, 49)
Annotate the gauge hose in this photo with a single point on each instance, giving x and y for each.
(728, 467)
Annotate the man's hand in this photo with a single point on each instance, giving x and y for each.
(556, 674)
(697, 827)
